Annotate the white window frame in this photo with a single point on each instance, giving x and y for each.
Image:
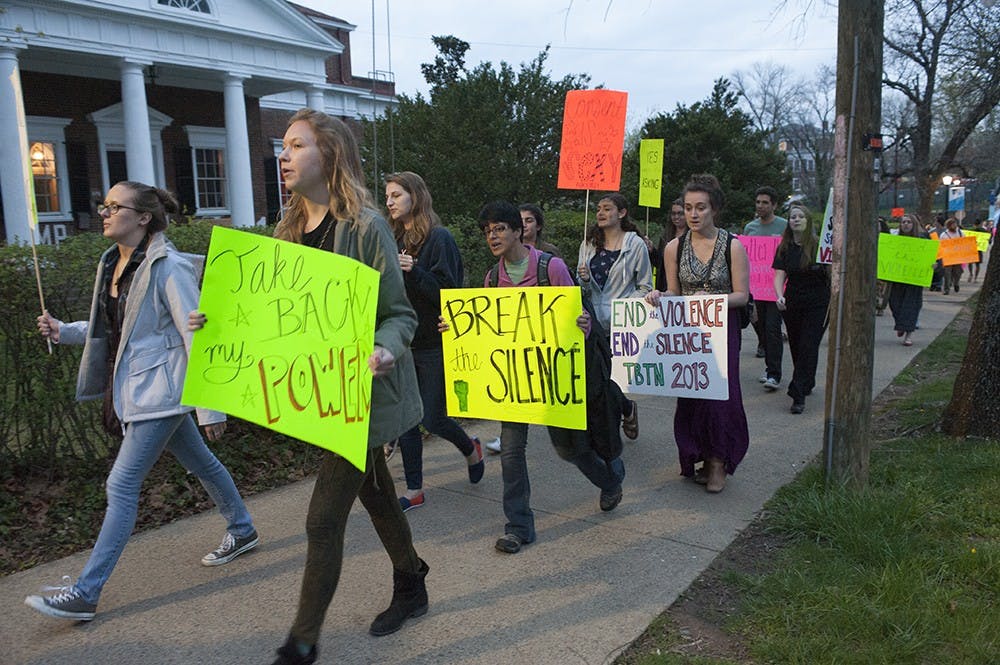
(185, 13)
(53, 130)
(209, 138)
(284, 196)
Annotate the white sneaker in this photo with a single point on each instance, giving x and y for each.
(493, 446)
(763, 378)
(770, 385)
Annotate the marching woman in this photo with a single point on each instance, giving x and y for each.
(614, 263)
(331, 209)
(802, 290)
(906, 300)
(135, 352)
(711, 431)
(430, 262)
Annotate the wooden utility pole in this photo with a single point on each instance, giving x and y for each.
(847, 442)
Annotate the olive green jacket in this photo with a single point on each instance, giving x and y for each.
(396, 405)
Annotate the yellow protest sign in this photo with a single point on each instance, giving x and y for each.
(516, 355)
(905, 259)
(650, 172)
(958, 250)
(287, 341)
(982, 239)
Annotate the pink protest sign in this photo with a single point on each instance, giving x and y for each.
(760, 251)
(593, 139)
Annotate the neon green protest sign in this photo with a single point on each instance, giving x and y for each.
(650, 172)
(286, 344)
(905, 259)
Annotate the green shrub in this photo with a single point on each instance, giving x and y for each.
(42, 427)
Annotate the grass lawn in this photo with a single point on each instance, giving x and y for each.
(907, 571)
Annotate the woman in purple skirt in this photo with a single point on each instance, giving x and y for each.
(709, 260)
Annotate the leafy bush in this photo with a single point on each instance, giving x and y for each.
(42, 427)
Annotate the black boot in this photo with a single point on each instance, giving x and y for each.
(409, 599)
(288, 654)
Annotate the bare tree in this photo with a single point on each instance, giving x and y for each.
(935, 45)
(766, 91)
(797, 115)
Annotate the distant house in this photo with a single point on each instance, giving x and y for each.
(191, 95)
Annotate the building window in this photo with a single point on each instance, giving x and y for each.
(49, 171)
(210, 178)
(200, 6)
(45, 174)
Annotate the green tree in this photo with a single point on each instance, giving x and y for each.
(712, 136)
(486, 133)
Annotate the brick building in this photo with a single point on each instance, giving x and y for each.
(191, 95)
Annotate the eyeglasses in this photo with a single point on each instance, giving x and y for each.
(113, 209)
(495, 230)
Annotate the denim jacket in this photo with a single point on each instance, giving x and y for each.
(153, 353)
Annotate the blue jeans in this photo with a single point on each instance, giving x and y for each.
(570, 445)
(429, 364)
(143, 444)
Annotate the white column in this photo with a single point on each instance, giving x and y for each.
(13, 152)
(138, 146)
(238, 153)
(316, 98)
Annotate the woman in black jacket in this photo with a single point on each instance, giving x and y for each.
(430, 262)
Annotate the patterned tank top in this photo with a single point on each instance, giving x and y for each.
(711, 277)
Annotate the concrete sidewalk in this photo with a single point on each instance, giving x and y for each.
(590, 584)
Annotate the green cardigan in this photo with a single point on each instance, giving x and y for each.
(396, 405)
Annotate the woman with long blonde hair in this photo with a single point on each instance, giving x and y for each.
(331, 209)
(802, 295)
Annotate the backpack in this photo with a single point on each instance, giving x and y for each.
(746, 312)
(604, 407)
(542, 270)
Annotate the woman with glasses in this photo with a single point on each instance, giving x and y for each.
(906, 300)
(135, 351)
(430, 261)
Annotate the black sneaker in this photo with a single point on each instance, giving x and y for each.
(230, 548)
(610, 500)
(67, 604)
(288, 654)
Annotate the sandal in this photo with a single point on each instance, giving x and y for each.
(630, 423)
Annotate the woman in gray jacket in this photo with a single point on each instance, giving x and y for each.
(613, 264)
(136, 343)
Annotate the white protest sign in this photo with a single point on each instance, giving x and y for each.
(824, 250)
(678, 348)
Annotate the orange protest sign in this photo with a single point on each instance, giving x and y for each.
(897, 212)
(593, 139)
(959, 250)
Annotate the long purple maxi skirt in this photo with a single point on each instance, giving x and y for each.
(706, 428)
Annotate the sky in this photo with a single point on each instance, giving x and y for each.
(662, 52)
